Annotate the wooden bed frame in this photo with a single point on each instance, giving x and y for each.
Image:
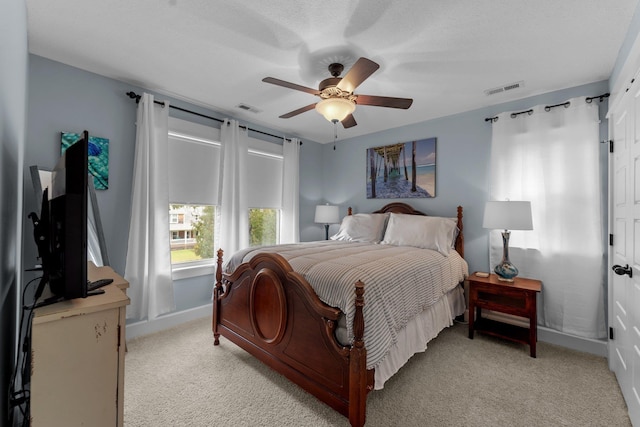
(272, 312)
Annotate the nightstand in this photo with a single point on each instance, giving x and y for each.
(517, 298)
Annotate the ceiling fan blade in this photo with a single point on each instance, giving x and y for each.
(290, 85)
(349, 122)
(362, 69)
(384, 101)
(298, 111)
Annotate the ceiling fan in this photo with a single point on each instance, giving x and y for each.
(338, 101)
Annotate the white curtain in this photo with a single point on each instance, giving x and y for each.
(234, 219)
(290, 228)
(148, 267)
(551, 158)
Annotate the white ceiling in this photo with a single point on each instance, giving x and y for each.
(443, 54)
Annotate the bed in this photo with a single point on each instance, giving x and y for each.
(301, 309)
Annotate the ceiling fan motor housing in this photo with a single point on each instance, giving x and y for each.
(329, 89)
(327, 83)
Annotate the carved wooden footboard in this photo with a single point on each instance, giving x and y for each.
(273, 313)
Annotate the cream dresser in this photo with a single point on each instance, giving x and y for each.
(77, 365)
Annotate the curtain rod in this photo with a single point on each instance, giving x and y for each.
(588, 100)
(137, 97)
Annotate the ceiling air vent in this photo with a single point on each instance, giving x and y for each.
(246, 107)
(504, 88)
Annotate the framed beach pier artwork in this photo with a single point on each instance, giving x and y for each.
(402, 171)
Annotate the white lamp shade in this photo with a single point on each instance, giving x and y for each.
(508, 215)
(335, 108)
(326, 214)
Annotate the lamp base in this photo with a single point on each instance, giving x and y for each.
(506, 271)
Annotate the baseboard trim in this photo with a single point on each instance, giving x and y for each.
(167, 321)
(586, 345)
(551, 336)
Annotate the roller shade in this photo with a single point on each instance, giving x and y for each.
(193, 171)
(194, 167)
(264, 179)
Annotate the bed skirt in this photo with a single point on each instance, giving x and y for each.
(413, 338)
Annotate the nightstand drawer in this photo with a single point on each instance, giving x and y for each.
(513, 304)
(511, 300)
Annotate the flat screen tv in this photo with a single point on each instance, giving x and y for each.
(67, 264)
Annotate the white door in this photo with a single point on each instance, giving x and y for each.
(624, 305)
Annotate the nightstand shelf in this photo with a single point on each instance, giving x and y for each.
(516, 298)
(502, 330)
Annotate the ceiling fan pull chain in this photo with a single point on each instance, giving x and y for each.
(335, 133)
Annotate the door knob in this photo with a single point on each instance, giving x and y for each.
(620, 270)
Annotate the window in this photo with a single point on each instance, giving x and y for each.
(192, 239)
(194, 181)
(264, 226)
(265, 193)
(194, 166)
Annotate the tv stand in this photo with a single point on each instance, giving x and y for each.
(57, 299)
(49, 301)
(95, 292)
(78, 347)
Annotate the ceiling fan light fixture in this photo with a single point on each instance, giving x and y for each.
(335, 108)
(338, 101)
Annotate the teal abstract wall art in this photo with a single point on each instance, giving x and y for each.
(98, 157)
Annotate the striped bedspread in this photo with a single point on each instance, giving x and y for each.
(400, 282)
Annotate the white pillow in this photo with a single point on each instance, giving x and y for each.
(428, 232)
(362, 228)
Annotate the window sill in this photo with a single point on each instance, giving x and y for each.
(191, 270)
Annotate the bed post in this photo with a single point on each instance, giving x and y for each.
(217, 291)
(460, 240)
(358, 364)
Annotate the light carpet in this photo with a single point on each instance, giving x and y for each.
(178, 378)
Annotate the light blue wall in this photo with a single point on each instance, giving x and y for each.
(463, 149)
(311, 190)
(64, 98)
(13, 117)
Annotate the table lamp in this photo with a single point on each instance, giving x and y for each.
(507, 215)
(327, 214)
